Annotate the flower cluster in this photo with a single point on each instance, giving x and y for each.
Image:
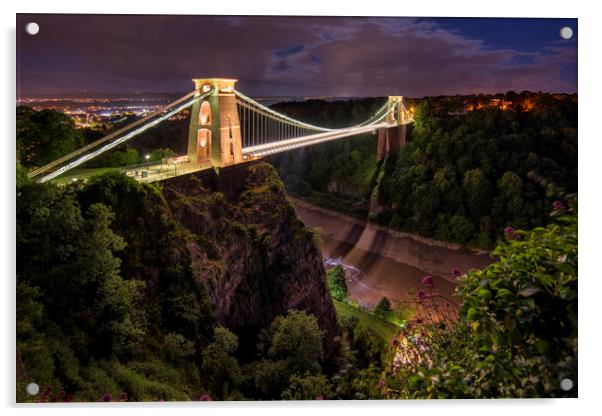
(510, 234)
(108, 397)
(61, 397)
(557, 206)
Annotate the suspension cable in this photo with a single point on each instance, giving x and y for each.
(123, 139)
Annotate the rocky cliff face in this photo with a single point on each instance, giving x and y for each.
(251, 251)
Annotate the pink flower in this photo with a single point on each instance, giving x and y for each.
(557, 205)
(205, 398)
(319, 398)
(123, 396)
(422, 295)
(107, 398)
(509, 233)
(428, 281)
(456, 273)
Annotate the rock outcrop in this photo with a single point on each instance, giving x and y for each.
(252, 252)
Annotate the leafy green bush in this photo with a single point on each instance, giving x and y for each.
(295, 338)
(220, 370)
(337, 283)
(44, 136)
(307, 387)
(519, 337)
(383, 309)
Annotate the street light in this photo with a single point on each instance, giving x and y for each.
(147, 157)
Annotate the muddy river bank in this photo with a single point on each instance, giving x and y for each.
(382, 262)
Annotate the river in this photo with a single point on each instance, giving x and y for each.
(380, 262)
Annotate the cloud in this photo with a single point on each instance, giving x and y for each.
(279, 56)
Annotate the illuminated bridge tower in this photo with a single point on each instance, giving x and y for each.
(391, 139)
(214, 136)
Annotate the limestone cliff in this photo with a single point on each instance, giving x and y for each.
(251, 251)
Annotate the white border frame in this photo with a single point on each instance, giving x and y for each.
(589, 33)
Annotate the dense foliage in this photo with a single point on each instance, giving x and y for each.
(128, 157)
(463, 176)
(91, 317)
(43, 136)
(334, 174)
(337, 283)
(518, 335)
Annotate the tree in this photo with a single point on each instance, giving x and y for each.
(70, 256)
(220, 370)
(383, 308)
(426, 200)
(445, 179)
(462, 229)
(161, 153)
(337, 283)
(296, 339)
(307, 387)
(510, 185)
(44, 136)
(478, 192)
(267, 377)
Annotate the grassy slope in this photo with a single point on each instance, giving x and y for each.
(383, 329)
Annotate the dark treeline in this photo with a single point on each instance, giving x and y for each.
(466, 172)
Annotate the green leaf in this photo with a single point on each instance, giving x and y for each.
(502, 293)
(485, 294)
(472, 314)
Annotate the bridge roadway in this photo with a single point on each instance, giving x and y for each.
(253, 131)
(284, 145)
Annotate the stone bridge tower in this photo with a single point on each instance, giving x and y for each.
(214, 134)
(391, 139)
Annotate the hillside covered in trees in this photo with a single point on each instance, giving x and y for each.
(125, 292)
(464, 174)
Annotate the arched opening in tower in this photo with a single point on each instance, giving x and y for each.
(205, 114)
(203, 146)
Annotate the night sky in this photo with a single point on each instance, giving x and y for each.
(295, 56)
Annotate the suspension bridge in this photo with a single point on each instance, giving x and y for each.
(228, 128)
